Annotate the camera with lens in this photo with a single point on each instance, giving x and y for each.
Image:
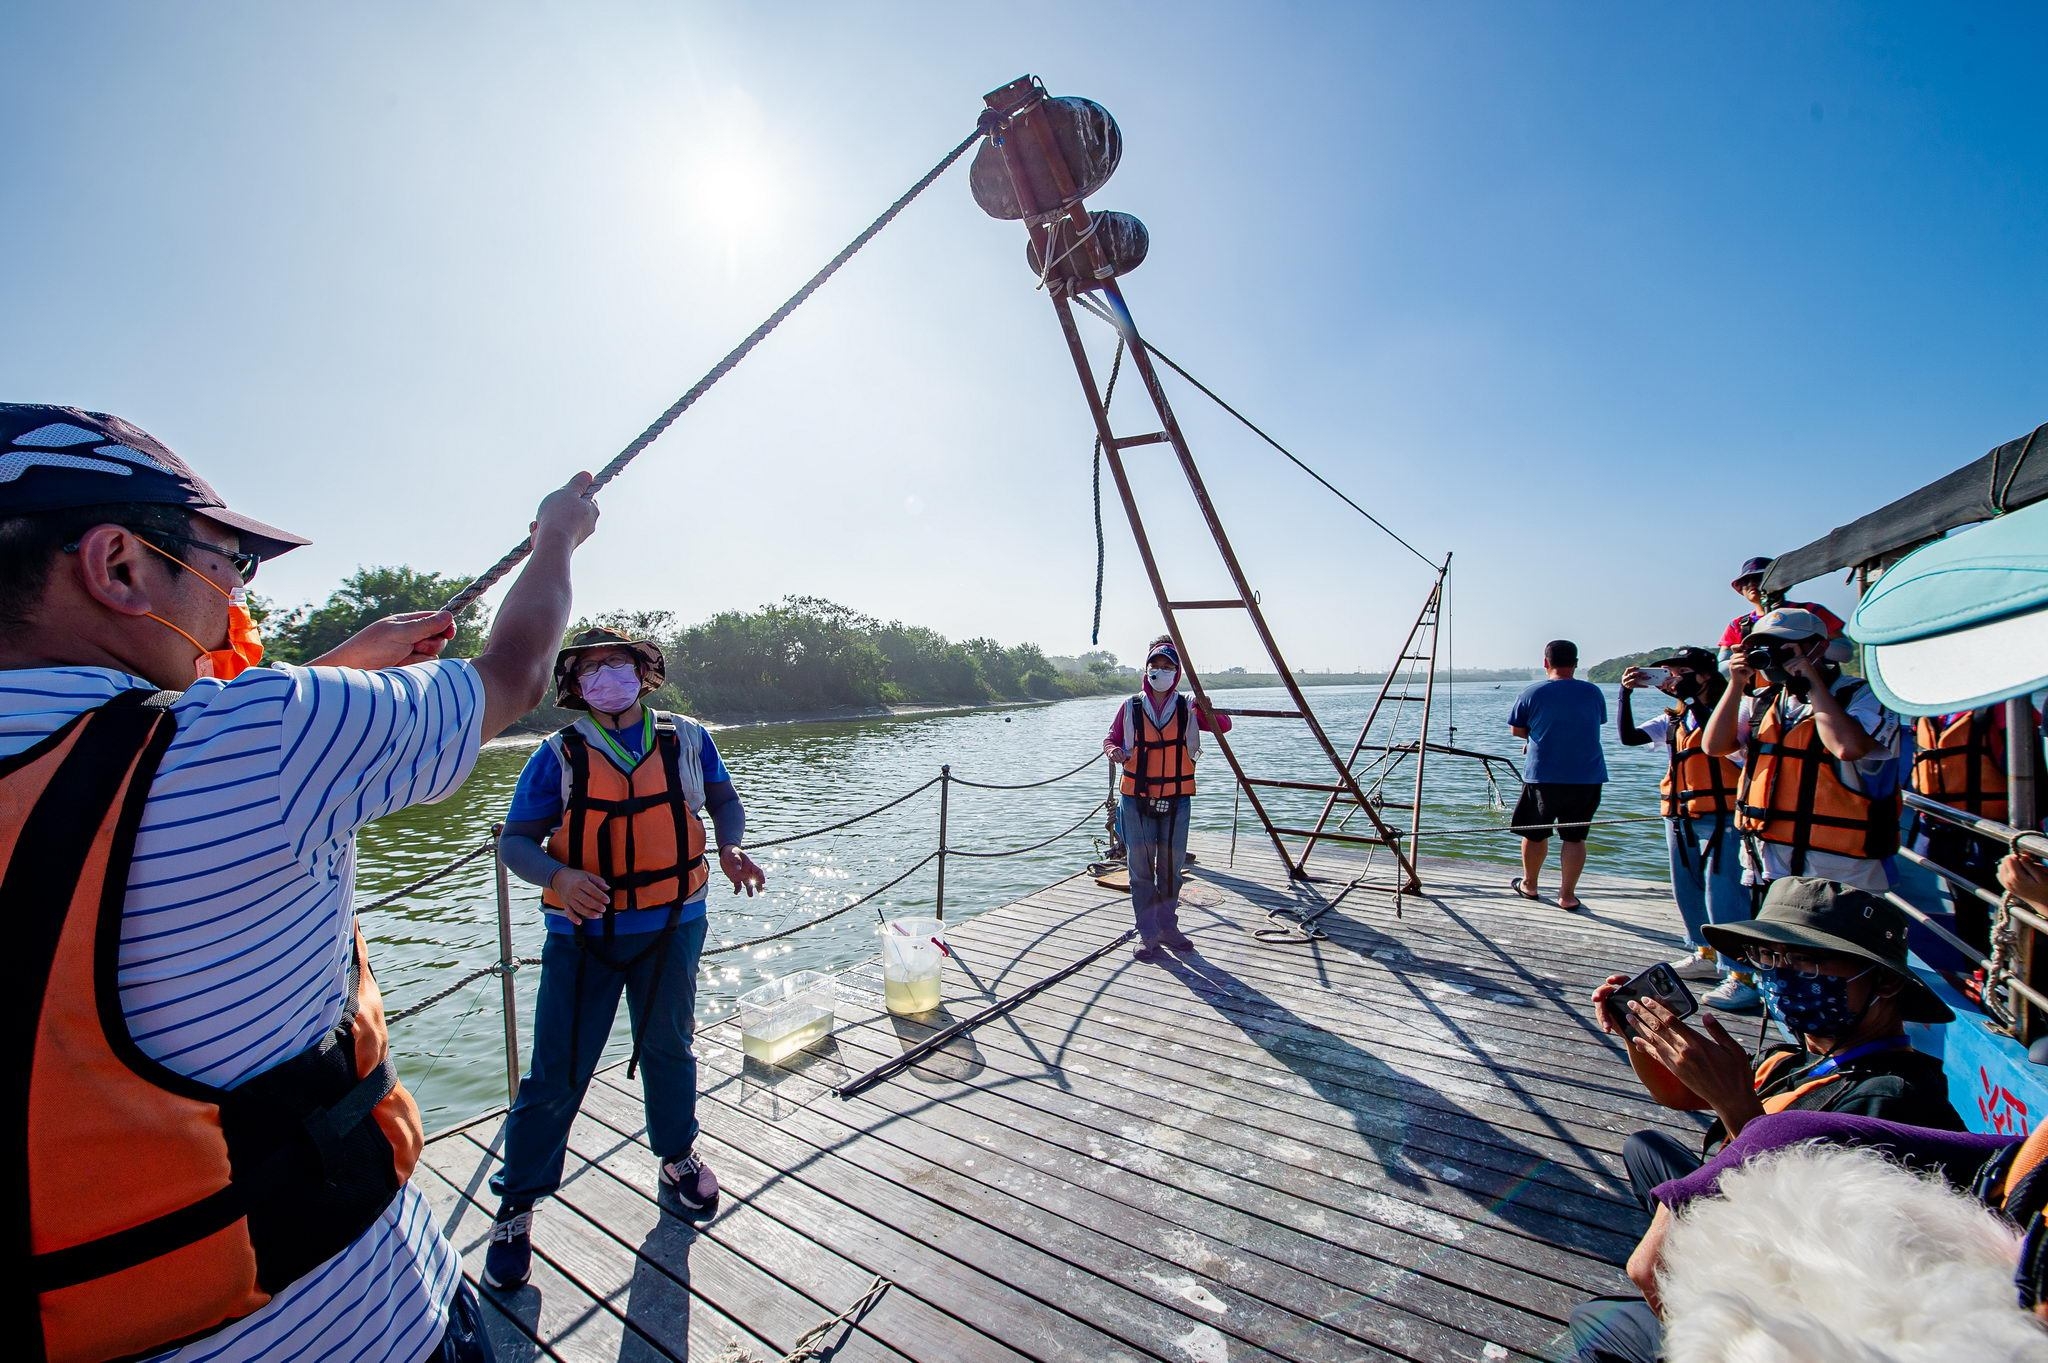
(1769, 655)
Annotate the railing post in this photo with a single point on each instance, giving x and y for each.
(2022, 747)
(945, 789)
(508, 966)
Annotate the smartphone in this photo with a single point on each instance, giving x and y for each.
(1659, 982)
(1653, 676)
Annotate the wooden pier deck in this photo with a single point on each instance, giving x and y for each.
(1399, 1143)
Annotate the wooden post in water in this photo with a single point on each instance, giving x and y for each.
(945, 789)
(508, 965)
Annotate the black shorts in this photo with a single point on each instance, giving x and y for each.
(1546, 804)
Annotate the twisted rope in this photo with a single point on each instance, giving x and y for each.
(1029, 785)
(929, 858)
(810, 1346)
(1116, 366)
(467, 857)
(1074, 827)
(850, 822)
(471, 978)
(725, 366)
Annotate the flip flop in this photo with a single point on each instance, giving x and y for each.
(1579, 907)
(1516, 886)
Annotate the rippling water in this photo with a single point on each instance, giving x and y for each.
(797, 777)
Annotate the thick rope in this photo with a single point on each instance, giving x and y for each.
(1071, 829)
(825, 917)
(388, 900)
(471, 978)
(725, 366)
(810, 1346)
(1116, 366)
(1029, 785)
(845, 823)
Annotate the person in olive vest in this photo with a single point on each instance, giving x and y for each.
(617, 797)
(1157, 737)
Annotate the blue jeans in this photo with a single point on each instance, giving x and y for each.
(465, 1340)
(1706, 892)
(1158, 845)
(578, 1000)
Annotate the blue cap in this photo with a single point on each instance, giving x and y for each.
(57, 458)
(1962, 622)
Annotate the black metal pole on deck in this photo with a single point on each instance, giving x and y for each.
(945, 789)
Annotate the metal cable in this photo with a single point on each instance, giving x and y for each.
(1029, 785)
(725, 366)
(471, 855)
(1093, 810)
(847, 823)
(1246, 421)
(1116, 366)
(824, 918)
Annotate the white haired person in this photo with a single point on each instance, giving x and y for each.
(1816, 1237)
(1157, 736)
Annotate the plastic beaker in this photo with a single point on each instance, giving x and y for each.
(913, 950)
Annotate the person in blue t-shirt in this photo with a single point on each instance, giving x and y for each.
(606, 818)
(1561, 717)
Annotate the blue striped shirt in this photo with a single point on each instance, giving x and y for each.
(239, 923)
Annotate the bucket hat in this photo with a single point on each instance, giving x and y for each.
(1962, 622)
(1821, 915)
(1751, 567)
(653, 666)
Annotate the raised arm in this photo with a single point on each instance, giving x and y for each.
(1625, 721)
(516, 665)
(1722, 736)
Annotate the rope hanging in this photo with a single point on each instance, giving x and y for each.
(497, 571)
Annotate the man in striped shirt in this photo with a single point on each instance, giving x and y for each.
(118, 566)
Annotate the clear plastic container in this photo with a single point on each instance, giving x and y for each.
(780, 1018)
(913, 952)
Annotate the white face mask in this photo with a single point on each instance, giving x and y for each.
(1163, 678)
(612, 690)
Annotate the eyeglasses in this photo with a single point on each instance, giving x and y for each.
(585, 671)
(243, 561)
(1798, 962)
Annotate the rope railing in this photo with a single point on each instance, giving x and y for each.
(1068, 831)
(1067, 775)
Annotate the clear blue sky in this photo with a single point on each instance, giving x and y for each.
(1602, 297)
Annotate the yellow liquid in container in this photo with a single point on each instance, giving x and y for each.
(785, 1032)
(920, 995)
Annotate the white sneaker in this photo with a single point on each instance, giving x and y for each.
(1701, 967)
(1734, 995)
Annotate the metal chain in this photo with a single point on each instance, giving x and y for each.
(725, 366)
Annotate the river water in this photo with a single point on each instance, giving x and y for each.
(802, 776)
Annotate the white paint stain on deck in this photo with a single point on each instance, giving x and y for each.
(1188, 1290)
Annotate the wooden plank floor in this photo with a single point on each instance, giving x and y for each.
(1402, 1142)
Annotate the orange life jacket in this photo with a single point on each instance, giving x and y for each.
(1792, 792)
(636, 829)
(1776, 1063)
(1696, 786)
(1160, 767)
(1962, 764)
(149, 1209)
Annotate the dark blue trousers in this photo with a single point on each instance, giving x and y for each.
(577, 1007)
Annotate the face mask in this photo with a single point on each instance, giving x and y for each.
(245, 646)
(613, 690)
(1687, 687)
(1810, 1007)
(1162, 678)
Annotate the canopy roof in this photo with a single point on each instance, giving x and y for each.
(2011, 476)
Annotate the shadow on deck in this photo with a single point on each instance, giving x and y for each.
(1399, 1142)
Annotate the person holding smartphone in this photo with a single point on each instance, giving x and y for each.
(1697, 797)
(1831, 963)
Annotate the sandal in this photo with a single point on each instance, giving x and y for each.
(1516, 886)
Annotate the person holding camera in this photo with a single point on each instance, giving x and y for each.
(1157, 736)
(1698, 802)
(1831, 962)
(1819, 794)
(1749, 585)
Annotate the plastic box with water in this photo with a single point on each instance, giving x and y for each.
(913, 952)
(782, 1017)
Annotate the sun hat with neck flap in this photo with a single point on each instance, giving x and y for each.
(653, 665)
(1805, 913)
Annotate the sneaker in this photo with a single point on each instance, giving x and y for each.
(1701, 967)
(1734, 995)
(508, 1262)
(1177, 941)
(687, 1186)
(1147, 951)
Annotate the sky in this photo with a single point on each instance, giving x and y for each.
(1599, 298)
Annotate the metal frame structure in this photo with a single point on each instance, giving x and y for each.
(1020, 134)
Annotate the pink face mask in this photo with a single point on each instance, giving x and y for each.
(612, 689)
